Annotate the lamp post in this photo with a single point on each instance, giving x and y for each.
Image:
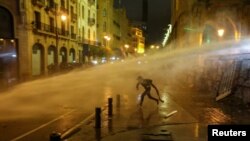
(107, 39)
(220, 33)
(126, 47)
(63, 18)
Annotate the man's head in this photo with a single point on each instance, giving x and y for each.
(139, 78)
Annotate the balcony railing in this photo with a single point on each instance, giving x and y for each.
(63, 32)
(90, 42)
(39, 3)
(64, 9)
(51, 6)
(91, 21)
(42, 27)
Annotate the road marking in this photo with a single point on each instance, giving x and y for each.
(170, 114)
(40, 127)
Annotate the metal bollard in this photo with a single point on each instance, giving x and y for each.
(110, 107)
(118, 100)
(55, 136)
(97, 117)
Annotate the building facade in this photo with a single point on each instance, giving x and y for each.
(113, 28)
(87, 29)
(138, 40)
(9, 35)
(36, 34)
(198, 22)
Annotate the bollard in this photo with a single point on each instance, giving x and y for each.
(110, 107)
(118, 99)
(55, 136)
(97, 117)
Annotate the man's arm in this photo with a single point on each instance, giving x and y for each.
(137, 86)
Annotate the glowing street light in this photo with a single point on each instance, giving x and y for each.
(126, 46)
(126, 49)
(63, 17)
(107, 38)
(220, 32)
(106, 42)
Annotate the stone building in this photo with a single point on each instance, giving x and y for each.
(37, 33)
(138, 40)
(113, 28)
(198, 22)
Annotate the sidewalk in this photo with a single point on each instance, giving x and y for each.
(129, 122)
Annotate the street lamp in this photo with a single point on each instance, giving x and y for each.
(126, 46)
(63, 18)
(126, 49)
(220, 32)
(107, 38)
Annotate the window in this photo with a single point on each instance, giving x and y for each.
(88, 13)
(83, 12)
(104, 27)
(51, 3)
(71, 10)
(72, 29)
(94, 35)
(89, 34)
(51, 24)
(83, 33)
(63, 3)
(37, 20)
(104, 12)
(63, 29)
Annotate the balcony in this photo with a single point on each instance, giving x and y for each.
(63, 32)
(73, 36)
(63, 9)
(91, 21)
(39, 3)
(39, 27)
(91, 2)
(51, 6)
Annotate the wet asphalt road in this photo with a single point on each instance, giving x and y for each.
(39, 128)
(202, 106)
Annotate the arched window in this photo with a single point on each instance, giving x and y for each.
(6, 26)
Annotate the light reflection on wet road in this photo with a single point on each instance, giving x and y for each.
(204, 108)
(216, 115)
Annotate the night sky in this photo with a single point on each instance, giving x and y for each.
(158, 16)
